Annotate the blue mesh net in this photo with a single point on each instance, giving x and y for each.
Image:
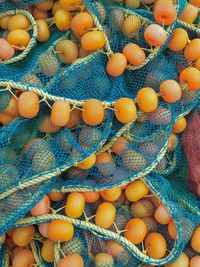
(31, 155)
(89, 246)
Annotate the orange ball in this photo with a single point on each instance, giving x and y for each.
(136, 191)
(42, 207)
(46, 126)
(192, 50)
(125, 110)
(181, 261)
(91, 197)
(195, 241)
(23, 236)
(119, 146)
(56, 6)
(45, 6)
(60, 113)
(82, 23)
(74, 119)
(4, 22)
(28, 105)
(105, 215)
(71, 260)
(178, 40)
(43, 227)
(59, 230)
(5, 118)
(71, 5)
(38, 14)
(179, 125)
(105, 163)
(93, 40)
(155, 35)
(189, 14)
(12, 108)
(164, 13)
(147, 99)
(93, 112)
(7, 51)
(23, 258)
(56, 196)
(116, 65)
(18, 38)
(18, 21)
(195, 261)
(155, 245)
(170, 91)
(134, 54)
(195, 3)
(87, 163)
(172, 143)
(162, 215)
(47, 251)
(111, 194)
(191, 76)
(172, 230)
(43, 31)
(75, 205)
(63, 20)
(136, 231)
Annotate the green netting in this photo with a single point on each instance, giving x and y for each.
(186, 221)
(29, 155)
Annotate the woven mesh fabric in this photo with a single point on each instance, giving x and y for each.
(12, 4)
(16, 205)
(191, 145)
(186, 221)
(27, 152)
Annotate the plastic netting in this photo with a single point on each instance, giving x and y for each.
(16, 206)
(31, 156)
(185, 219)
(87, 244)
(155, 126)
(7, 5)
(191, 144)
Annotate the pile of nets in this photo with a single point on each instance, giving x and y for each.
(104, 144)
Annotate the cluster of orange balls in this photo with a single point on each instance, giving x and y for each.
(17, 36)
(137, 3)
(81, 24)
(27, 104)
(147, 214)
(155, 35)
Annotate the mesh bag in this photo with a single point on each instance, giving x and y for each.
(16, 205)
(87, 244)
(186, 221)
(190, 141)
(33, 35)
(39, 156)
(7, 5)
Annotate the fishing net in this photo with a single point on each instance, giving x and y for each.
(7, 5)
(84, 243)
(185, 220)
(34, 152)
(73, 84)
(191, 146)
(19, 203)
(30, 155)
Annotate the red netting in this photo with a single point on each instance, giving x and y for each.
(191, 145)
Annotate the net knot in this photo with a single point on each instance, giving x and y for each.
(20, 185)
(58, 171)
